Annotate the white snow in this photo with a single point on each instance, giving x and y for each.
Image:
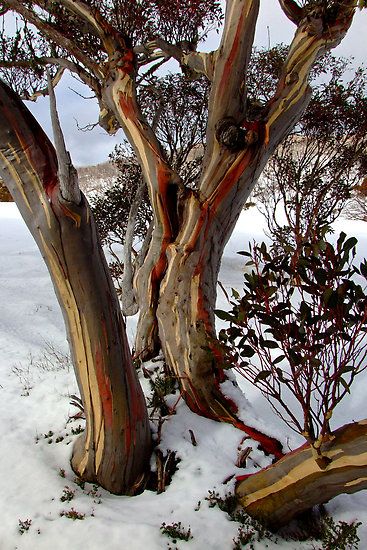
(35, 401)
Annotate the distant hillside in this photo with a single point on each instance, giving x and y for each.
(96, 177)
(91, 179)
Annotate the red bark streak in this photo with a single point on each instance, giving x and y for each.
(36, 149)
(127, 107)
(126, 63)
(269, 444)
(228, 67)
(230, 179)
(104, 386)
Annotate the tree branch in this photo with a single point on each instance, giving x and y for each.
(68, 177)
(110, 38)
(313, 37)
(197, 62)
(228, 97)
(54, 35)
(292, 10)
(128, 301)
(228, 94)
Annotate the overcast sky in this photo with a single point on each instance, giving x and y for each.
(94, 146)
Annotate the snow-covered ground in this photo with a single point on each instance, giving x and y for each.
(36, 433)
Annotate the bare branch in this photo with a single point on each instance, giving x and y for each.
(68, 177)
(44, 91)
(129, 304)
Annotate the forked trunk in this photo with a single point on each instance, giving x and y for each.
(114, 450)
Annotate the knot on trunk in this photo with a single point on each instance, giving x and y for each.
(232, 136)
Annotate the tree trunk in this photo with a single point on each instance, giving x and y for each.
(176, 286)
(114, 450)
(296, 483)
(186, 309)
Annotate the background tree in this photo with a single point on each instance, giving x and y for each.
(310, 178)
(108, 45)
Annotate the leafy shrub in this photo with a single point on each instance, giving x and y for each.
(300, 328)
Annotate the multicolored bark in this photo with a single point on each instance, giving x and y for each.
(176, 285)
(270, 494)
(114, 450)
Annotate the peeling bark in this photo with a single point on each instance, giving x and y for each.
(114, 450)
(296, 483)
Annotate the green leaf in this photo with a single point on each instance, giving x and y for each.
(224, 315)
(315, 362)
(244, 253)
(235, 294)
(349, 244)
(341, 239)
(280, 374)
(247, 351)
(347, 368)
(269, 344)
(278, 359)
(363, 269)
(271, 290)
(344, 384)
(262, 375)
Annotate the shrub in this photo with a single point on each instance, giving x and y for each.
(300, 328)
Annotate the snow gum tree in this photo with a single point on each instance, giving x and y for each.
(111, 46)
(115, 447)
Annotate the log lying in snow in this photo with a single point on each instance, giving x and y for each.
(296, 483)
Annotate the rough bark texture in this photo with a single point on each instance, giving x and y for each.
(296, 483)
(114, 450)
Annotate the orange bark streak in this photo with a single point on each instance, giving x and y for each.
(104, 386)
(229, 63)
(70, 214)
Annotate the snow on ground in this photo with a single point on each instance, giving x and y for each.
(36, 433)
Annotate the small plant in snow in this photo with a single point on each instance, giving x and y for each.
(25, 377)
(52, 359)
(72, 514)
(78, 430)
(176, 531)
(24, 525)
(339, 536)
(67, 494)
(228, 503)
(250, 530)
(78, 481)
